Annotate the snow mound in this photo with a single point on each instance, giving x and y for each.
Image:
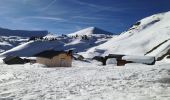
(144, 36)
(111, 61)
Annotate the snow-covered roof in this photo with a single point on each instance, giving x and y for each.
(139, 59)
(90, 31)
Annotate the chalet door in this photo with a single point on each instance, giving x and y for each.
(63, 62)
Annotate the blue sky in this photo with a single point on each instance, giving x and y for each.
(66, 16)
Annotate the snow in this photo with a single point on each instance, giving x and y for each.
(12, 38)
(9, 42)
(6, 76)
(90, 31)
(111, 61)
(161, 50)
(5, 43)
(85, 81)
(138, 40)
(139, 59)
(33, 47)
(51, 36)
(62, 43)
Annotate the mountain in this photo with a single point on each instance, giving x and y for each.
(8, 42)
(51, 41)
(149, 36)
(90, 31)
(12, 38)
(21, 33)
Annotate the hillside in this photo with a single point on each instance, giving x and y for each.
(78, 44)
(8, 42)
(141, 38)
(12, 38)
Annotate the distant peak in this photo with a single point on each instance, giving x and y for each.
(90, 31)
(92, 28)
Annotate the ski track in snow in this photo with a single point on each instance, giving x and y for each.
(87, 82)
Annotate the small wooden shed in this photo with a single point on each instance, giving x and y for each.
(52, 58)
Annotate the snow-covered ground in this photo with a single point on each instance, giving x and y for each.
(85, 81)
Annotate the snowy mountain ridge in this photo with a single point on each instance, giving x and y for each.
(80, 43)
(12, 38)
(145, 35)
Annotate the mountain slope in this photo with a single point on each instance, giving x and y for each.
(12, 38)
(78, 44)
(31, 48)
(8, 42)
(138, 40)
(90, 31)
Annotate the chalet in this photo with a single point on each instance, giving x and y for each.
(52, 58)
